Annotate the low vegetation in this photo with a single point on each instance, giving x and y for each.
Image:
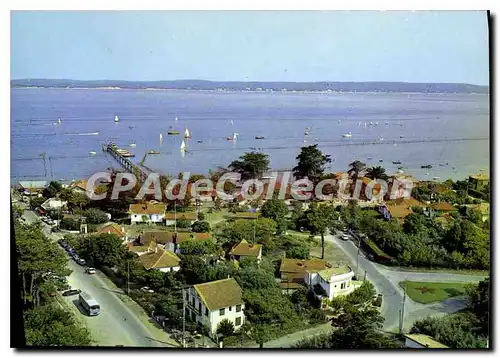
(428, 292)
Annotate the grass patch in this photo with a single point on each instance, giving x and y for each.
(429, 292)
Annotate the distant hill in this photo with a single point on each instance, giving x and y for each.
(260, 86)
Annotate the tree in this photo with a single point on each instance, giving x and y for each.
(36, 202)
(251, 165)
(262, 228)
(184, 224)
(298, 252)
(320, 217)
(277, 210)
(225, 328)
(356, 167)
(311, 163)
(17, 212)
(106, 250)
(200, 226)
(376, 172)
(95, 216)
(362, 294)
(36, 257)
(198, 247)
(201, 216)
(51, 326)
(478, 301)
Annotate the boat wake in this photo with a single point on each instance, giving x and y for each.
(93, 133)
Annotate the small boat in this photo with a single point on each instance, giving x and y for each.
(436, 178)
(347, 135)
(234, 137)
(306, 133)
(232, 122)
(59, 121)
(183, 146)
(186, 133)
(304, 141)
(176, 118)
(365, 124)
(92, 152)
(376, 123)
(133, 144)
(340, 121)
(400, 171)
(380, 138)
(199, 141)
(369, 158)
(161, 136)
(428, 166)
(400, 168)
(153, 152)
(381, 160)
(130, 127)
(386, 123)
(259, 137)
(308, 128)
(396, 162)
(173, 132)
(117, 119)
(371, 123)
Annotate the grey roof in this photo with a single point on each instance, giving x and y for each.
(33, 184)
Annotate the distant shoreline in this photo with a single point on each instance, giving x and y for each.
(235, 90)
(253, 86)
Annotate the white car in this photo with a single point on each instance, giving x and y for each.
(90, 270)
(344, 237)
(147, 289)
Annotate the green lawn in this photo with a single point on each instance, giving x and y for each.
(429, 292)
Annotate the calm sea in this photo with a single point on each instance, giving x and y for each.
(448, 131)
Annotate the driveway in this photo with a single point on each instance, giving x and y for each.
(386, 283)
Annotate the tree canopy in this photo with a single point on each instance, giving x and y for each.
(251, 165)
(277, 210)
(200, 226)
(311, 163)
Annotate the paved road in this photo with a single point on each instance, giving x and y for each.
(117, 324)
(386, 282)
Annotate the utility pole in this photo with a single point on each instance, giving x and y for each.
(365, 277)
(403, 310)
(183, 319)
(128, 277)
(357, 258)
(175, 217)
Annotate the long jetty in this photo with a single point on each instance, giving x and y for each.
(114, 151)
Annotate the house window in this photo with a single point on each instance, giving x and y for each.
(187, 296)
(342, 285)
(230, 308)
(199, 306)
(194, 300)
(206, 312)
(222, 312)
(238, 321)
(238, 308)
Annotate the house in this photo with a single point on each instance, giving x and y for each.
(33, 187)
(113, 228)
(139, 249)
(54, 204)
(479, 181)
(331, 282)
(79, 186)
(170, 218)
(443, 207)
(146, 213)
(399, 211)
(294, 272)
(171, 240)
(422, 341)
(483, 208)
(244, 249)
(209, 303)
(161, 260)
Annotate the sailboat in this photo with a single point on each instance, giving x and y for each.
(186, 133)
(176, 118)
(161, 136)
(183, 146)
(232, 122)
(116, 119)
(133, 144)
(92, 152)
(59, 121)
(365, 124)
(347, 135)
(234, 137)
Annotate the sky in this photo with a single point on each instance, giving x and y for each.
(422, 46)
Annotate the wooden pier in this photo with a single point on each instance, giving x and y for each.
(118, 154)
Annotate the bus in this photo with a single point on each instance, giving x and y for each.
(90, 305)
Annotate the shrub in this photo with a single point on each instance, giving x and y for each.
(95, 216)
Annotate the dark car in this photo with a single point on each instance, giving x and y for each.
(71, 292)
(63, 243)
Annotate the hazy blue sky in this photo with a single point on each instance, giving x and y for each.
(448, 46)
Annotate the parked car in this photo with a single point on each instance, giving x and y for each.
(63, 243)
(71, 292)
(81, 261)
(147, 289)
(90, 270)
(344, 237)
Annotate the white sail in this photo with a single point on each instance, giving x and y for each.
(235, 136)
(186, 133)
(176, 118)
(183, 145)
(116, 119)
(232, 121)
(59, 121)
(161, 136)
